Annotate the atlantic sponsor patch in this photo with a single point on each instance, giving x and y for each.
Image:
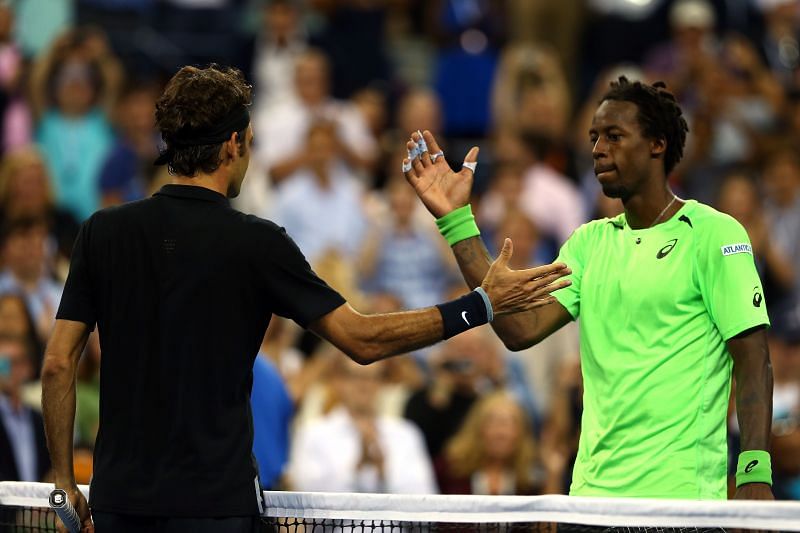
(732, 249)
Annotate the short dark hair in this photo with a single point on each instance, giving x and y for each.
(659, 115)
(197, 98)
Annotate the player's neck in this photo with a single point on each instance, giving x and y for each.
(216, 181)
(649, 208)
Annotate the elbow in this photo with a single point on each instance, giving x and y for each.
(364, 353)
(365, 347)
(515, 343)
(55, 366)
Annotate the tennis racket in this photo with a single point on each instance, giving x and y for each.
(65, 511)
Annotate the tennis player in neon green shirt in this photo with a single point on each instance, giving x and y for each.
(670, 307)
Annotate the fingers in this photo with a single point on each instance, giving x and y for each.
(414, 157)
(544, 270)
(541, 302)
(545, 281)
(433, 146)
(547, 290)
(424, 154)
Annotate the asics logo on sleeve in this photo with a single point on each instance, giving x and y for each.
(757, 298)
(750, 466)
(662, 253)
(464, 316)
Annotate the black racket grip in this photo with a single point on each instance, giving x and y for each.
(65, 511)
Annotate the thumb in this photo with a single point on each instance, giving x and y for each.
(505, 253)
(471, 161)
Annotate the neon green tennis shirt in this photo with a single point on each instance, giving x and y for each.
(656, 307)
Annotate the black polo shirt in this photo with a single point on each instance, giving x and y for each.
(182, 288)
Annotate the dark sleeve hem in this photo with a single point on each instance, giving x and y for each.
(74, 318)
(730, 333)
(321, 311)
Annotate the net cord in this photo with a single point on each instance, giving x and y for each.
(610, 512)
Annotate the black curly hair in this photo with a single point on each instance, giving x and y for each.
(659, 115)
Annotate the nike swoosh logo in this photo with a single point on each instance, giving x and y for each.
(464, 316)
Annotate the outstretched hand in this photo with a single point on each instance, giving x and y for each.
(439, 188)
(512, 291)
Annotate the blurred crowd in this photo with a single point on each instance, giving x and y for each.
(339, 85)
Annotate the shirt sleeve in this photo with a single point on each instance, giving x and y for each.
(295, 290)
(571, 254)
(728, 280)
(77, 303)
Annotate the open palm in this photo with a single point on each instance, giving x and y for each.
(439, 188)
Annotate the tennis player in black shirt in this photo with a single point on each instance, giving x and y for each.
(182, 287)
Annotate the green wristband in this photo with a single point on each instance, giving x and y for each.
(458, 225)
(754, 466)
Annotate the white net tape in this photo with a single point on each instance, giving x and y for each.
(606, 512)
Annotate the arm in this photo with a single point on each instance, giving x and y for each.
(354, 159)
(442, 190)
(41, 70)
(517, 331)
(753, 374)
(286, 167)
(369, 338)
(58, 405)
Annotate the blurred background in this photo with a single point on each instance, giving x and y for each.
(339, 85)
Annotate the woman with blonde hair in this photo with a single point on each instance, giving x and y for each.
(26, 192)
(494, 452)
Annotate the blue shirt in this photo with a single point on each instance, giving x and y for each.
(410, 266)
(75, 150)
(19, 428)
(272, 413)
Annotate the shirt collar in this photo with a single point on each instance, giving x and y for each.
(193, 192)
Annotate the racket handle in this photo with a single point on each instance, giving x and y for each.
(65, 511)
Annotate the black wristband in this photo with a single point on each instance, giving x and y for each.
(462, 314)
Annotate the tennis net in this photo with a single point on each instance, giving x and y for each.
(23, 507)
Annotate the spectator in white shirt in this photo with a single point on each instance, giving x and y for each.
(282, 133)
(278, 46)
(321, 207)
(355, 449)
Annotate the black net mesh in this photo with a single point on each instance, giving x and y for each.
(310, 525)
(14, 519)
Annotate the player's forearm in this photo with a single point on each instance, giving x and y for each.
(58, 410)
(384, 335)
(517, 331)
(753, 390)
